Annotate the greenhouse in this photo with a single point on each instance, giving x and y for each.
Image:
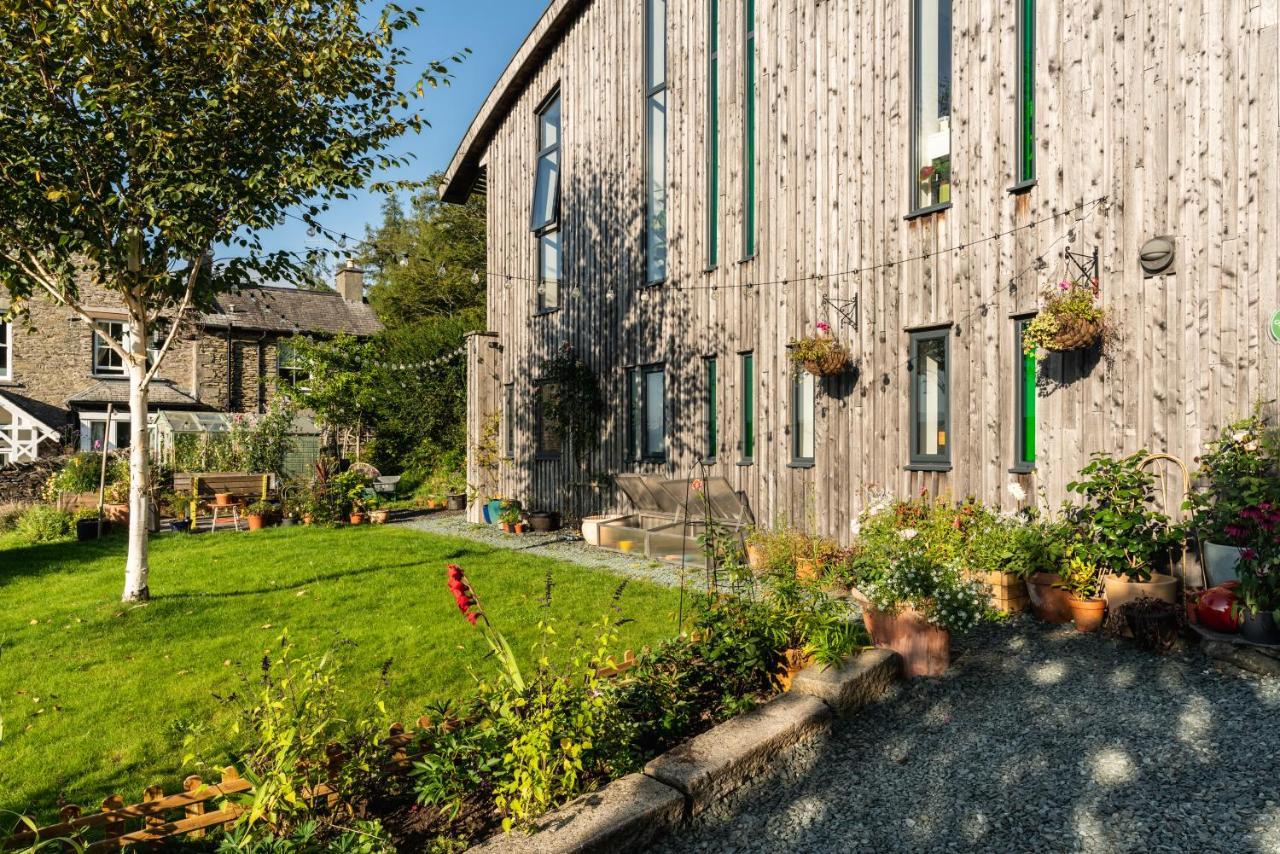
(202, 441)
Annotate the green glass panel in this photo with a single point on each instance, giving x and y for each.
(713, 415)
(1027, 136)
(748, 407)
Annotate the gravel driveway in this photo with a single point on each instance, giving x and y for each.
(1040, 739)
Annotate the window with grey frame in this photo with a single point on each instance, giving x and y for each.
(106, 361)
(544, 219)
(931, 104)
(802, 435)
(6, 351)
(509, 421)
(930, 415)
(646, 417)
(655, 237)
(711, 380)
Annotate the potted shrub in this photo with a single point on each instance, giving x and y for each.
(258, 513)
(509, 515)
(1259, 570)
(1240, 469)
(912, 604)
(820, 354)
(1127, 537)
(1070, 318)
(812, 559)
(1082, 579)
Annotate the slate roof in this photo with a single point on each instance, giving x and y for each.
(102, 392)
(289, 310)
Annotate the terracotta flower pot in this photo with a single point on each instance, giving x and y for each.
(1088, 613)
(807, 569)
(1118, 590)
(521, 528)
(223, 499)
(307, 518)
(257, 521)
(508, 528)
(379, 517)
(925, 648)
(357, 519)
(1049, 602)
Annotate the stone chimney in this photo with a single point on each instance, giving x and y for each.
(350, 282)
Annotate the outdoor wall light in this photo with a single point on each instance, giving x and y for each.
(1156, 255)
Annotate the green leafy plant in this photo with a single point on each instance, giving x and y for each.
(819, 353)
(511, 511)
(1116, 522)
(573, 405)
(1258, 531)
(41, 523)
(309, 837)
(260, 508)
(1239, 469)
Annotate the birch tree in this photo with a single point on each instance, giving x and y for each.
(142, 139)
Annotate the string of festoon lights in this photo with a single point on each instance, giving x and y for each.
(344, 242)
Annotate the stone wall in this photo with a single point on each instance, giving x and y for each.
(23, 482)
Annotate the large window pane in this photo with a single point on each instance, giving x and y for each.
(802, 418)
(749, 132)
(930, 422)
(5, 367)
(107, 362)
(1025, 455)
(713, 413)
(655, 440)
(546, 191)
(656, 237)
(548, 436)
(656, 22)
(748, 407)
(1027, 90)
(713, 134)
(549, 270)
(931, 150)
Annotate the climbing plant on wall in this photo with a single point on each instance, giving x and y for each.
(571, 400)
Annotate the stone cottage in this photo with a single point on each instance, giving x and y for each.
(57, 377)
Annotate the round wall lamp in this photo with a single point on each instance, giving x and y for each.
(1156, 255)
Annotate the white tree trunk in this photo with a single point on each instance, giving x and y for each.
(136, 568)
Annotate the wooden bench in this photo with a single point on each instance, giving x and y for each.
(202, 486)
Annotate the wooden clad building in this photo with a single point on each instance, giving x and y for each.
(679, 189)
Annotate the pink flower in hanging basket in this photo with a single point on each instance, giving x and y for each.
(823, 327)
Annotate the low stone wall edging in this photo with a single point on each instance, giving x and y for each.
(633, 811)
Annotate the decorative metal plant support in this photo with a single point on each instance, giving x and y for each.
(1186, 493)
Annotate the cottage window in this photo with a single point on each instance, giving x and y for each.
(656, 141)
(291, 367)
(930, 394)
(931, 97)
(106, 361)
(1026, 170)
(548, 435)
(712, 409)
(93, 431)
(6, 351)
(747, 448)
(713, 133)
(1025, 393)
(545, 217)
(802, 393)
(749, 131)
(646, 417)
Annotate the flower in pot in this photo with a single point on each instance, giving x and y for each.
(1259, 569)
(258, 512)
(1070, 318)
(820, 354)
(912, 604)
(1081, 577)
(223, 499)
(509, 515)
(1127, 537)
(1238, 470)
(378, 514)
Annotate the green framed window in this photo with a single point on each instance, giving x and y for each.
(713, 133)
(930, 399)
(747, 447)
(931, 104)
(712, 448)
(802, 433)
(647, 416)
(1026, 91)
(749, 131)
(656, 141)
(1025, 374)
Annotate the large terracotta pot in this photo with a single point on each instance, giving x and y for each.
(257, 522)
(1087, 613)
(1049, 602)
(1118, 590)
(357, 519)
(925, 648)
(223, 499)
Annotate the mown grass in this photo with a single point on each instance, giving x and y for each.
(96, 696)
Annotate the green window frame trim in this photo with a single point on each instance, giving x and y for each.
(747, 443)
(1025, 388)
(713, 134)
(803, 428)
(749, 131)
(1025, 173)
(711, 390)
(935, 401)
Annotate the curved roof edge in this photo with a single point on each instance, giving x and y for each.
(464, 168)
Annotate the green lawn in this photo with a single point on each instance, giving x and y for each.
(94, 694)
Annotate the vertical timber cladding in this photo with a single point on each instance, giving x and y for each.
(1170, 111)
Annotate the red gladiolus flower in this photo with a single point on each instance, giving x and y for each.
(472, 617)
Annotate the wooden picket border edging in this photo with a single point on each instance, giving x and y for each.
(114, 816)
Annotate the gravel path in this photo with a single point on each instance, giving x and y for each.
(1040, 739)
(562, 545)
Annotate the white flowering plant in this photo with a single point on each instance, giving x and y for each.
(939, 593)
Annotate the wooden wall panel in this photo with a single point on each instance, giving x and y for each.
(1171, 111)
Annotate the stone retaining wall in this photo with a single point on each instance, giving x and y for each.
(24, 482)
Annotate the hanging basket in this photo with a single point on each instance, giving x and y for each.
(832, 363)
(1075, 333)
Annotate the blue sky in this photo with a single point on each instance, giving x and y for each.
(493, 29)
